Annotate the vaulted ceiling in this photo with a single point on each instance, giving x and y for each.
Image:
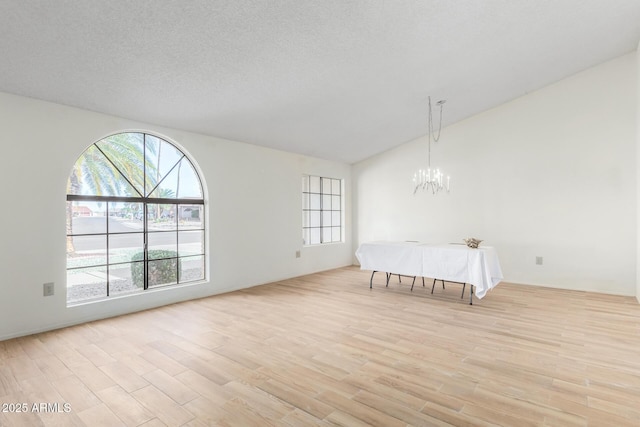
(336, 79)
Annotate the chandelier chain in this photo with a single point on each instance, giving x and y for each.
(431, 133)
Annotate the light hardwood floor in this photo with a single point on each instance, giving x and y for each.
(323, 349)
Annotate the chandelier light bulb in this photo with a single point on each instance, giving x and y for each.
(428, 179)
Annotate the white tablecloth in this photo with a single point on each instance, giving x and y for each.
(456, 263)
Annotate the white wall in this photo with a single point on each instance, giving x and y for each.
(550, 174)
(638, 169)
(254, 206)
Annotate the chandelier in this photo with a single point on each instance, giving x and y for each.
(431, 179)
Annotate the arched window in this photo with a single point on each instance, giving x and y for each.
(135, 218)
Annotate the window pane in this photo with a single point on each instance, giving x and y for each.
(181, 182)
(315, 236)
(315, 218)
(124, 216)
(326, 234)
(76, 211)
(190, 217)
(162, 242)
(335, 203)
(189, 183)
(163, 272)
(326, 202)
(315, 201)
(335, 186)
(326, 218)
(306, 236)
(335, 218)
(305, 184)
(314, 184)
(190, 243)
(161, 217)
(162, 157)
(137, 272)
(125, 153)
(86, 283)
(94, 175)
(192, 269)
(88, 224)
(86, 251)
(335, 234)
(305, 219)
(120, 279)
(305, 201)
(122, 247)
(130, 214)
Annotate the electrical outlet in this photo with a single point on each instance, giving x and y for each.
(297, 254)
(47, 289)
(538, 260)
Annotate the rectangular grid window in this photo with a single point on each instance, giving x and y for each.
(321, 210)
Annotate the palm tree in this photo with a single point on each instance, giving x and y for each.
(114, 166)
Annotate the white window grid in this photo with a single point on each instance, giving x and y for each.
(322, 210)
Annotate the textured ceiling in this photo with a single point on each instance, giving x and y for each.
(337, 79)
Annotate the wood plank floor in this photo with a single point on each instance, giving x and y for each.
(323, 349)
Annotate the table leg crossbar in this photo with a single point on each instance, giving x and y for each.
(464, 285)
(388, 277)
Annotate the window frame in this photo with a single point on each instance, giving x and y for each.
(146, 201)
(316, 215)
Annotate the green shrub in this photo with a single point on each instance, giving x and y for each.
(162, 267)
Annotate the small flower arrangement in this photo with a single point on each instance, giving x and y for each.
(472, 242)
